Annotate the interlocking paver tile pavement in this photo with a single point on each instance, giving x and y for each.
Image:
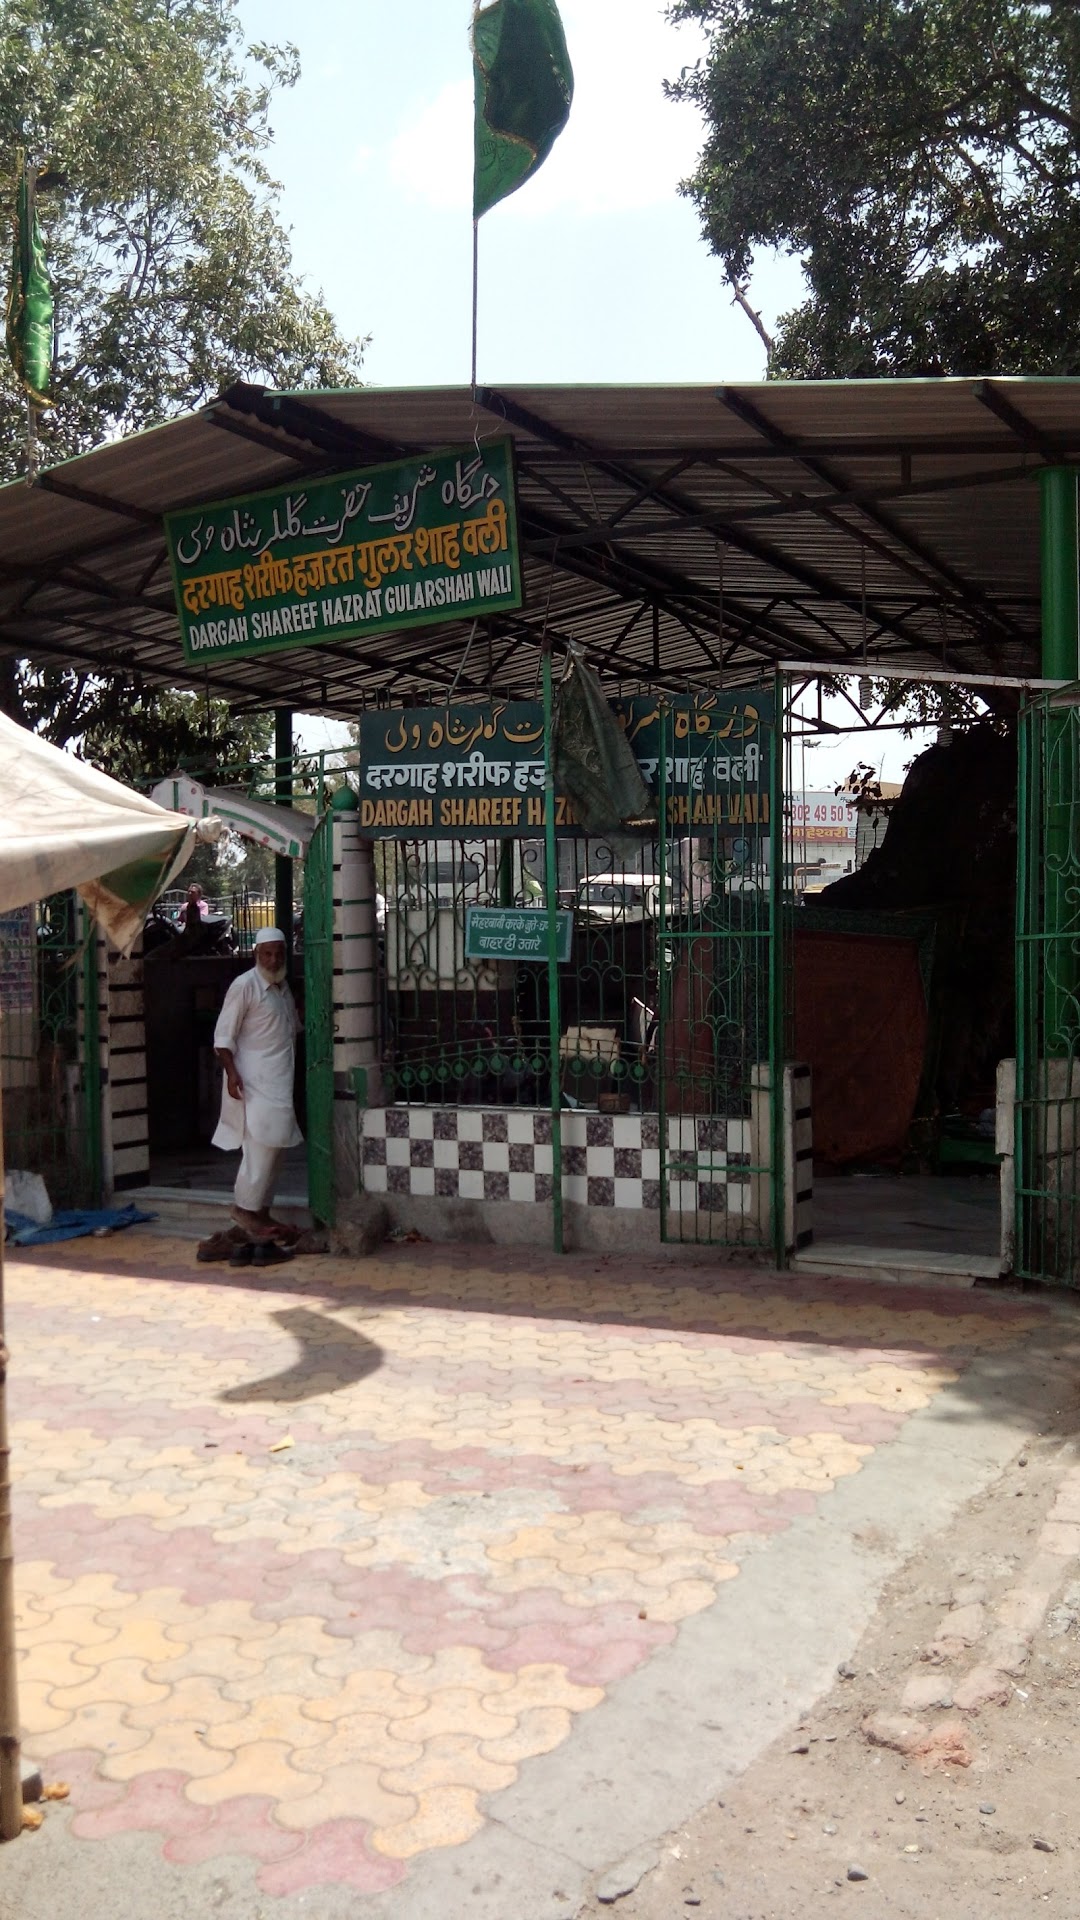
(314, 1572)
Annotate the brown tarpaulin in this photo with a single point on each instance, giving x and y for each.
(861, 1023)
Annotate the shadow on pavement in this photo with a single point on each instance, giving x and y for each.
(1026, 1343)
(331, 1356)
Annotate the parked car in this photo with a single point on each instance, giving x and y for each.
(626, 899)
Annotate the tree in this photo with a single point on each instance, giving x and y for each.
(921, 158)
(172, 272)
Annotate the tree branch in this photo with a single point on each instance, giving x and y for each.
(755, 319)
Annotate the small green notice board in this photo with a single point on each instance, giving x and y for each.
(426, 539)
(515, 933)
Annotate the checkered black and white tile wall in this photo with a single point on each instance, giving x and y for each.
(609, 1160)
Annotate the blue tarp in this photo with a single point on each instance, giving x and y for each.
(72, 1225)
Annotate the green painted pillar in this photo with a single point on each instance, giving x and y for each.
(1051, 772)
(283, 794)
(1060, 596)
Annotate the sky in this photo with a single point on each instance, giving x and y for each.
(595, 271)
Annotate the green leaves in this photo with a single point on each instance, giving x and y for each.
(922, 158)
(173, 275)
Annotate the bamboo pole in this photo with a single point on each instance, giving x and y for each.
(10, 1745)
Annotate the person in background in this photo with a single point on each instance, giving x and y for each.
(196, 908)
(255, 1040)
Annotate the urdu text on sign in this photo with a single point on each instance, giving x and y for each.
(428, 539)
(479, 768)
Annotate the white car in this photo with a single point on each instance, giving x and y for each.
(627, 899)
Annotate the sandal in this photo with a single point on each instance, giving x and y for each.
(267, 1254)
(242, 1256)
(220, 1246)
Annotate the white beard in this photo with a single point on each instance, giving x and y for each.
(275, 975)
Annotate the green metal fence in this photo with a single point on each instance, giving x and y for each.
(477, 1032)
(1048, 992)
(319, 1018)
(722, 1002)
(49, 1057)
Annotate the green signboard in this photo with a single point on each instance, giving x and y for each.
(477, 771)
(515, 933)
(427, 539)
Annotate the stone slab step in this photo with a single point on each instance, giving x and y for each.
(193, 1213)
(902, 1266)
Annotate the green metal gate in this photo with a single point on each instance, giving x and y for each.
(1048, 991)
(319, 1017)
(49, 1058)
(721, 993)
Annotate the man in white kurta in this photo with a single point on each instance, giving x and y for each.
(255, 1040)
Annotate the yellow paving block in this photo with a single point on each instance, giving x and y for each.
(379, 1648)
(446, 1817)
(539, 1730)
(543, 1686)
(122, 1680)
(196, 1701)
(260, 1768)
(355, 1791)
(358, 1738)
(38, 1711)
(215, 1658)
(272, 1718)
(457, 1667)
(101, 1726)
(51, 1664)
(72, 1626)
(455, 1710)
(450, 1759)
(144, 1636)
(365, 1690)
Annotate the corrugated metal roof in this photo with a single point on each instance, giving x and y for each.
(674, 532)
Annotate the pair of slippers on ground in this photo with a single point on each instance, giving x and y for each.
(240, 1250)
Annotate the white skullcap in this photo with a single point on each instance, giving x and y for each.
(266, 934)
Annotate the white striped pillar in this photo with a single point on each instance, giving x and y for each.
(356, 985)
(127, 1120)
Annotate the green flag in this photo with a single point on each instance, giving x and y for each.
(30, 297)
(524, 86)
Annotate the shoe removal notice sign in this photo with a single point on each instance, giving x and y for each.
(427, 539)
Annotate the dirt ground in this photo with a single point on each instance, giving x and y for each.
(925, 1834)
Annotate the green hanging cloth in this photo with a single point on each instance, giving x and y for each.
(594, 763)
(30, 294)
(524, 87)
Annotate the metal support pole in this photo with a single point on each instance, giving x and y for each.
(777, 976)
(283, 794)
(1060, 661)
(665, 972)
(551, 896)
(10, 1747)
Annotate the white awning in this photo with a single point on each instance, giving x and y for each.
(67, 825)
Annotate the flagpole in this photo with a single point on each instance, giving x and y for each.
(33, 456)
(31, 409)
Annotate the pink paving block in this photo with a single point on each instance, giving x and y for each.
(89, 1792)
(543, 1646)
(334, 1855)
(606, 1664)
(153, 1803)
(241, 1826)
(436, 1634)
